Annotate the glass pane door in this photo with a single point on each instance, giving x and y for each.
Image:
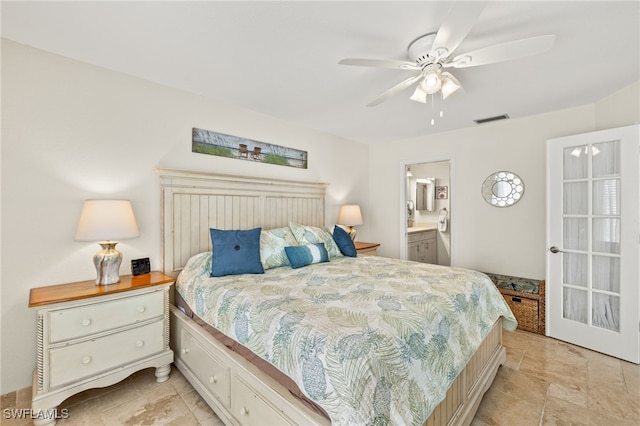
(593, 199)
(591, 234)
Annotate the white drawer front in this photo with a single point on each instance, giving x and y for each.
(90, 319)
(74, 362)
(214, 375)
(419, 236)
(250, 409)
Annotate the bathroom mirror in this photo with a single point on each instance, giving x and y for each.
(425, 194)
(502, 189)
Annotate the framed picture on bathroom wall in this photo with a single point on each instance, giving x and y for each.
(442, 192)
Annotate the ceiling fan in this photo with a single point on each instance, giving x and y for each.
(431, 54)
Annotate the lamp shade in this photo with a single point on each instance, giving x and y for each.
(431, 83)
(350, 215)
(106, 220)
(449, 85)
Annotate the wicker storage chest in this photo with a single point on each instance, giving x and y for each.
(526, 298)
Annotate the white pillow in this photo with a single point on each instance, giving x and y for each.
(272, 244)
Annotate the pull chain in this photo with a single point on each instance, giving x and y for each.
(433, 120)
(441, 114)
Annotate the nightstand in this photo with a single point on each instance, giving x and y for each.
(366, 249)
(91, 336)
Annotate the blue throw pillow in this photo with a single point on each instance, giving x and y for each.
(235, 252)
(344, 242)
(300, 256)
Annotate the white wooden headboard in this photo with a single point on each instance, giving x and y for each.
(194, 202)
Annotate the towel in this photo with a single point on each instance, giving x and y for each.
(442, 220)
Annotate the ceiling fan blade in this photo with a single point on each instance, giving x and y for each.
(395, 90)
(504, 52)
(456, 26)
(380, 63)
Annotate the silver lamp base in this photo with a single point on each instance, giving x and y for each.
(352, 232)
(107, 262)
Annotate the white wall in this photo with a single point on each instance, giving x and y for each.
(500, 240)
(72, 131)
(619, 109)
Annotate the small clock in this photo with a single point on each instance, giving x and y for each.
(140, 266)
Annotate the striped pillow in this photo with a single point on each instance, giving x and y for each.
(300, 256)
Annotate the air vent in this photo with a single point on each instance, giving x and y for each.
(488, 119)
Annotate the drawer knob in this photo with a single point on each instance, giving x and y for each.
(213, 379)
(244, 411)
(185, 351)
(86, 359)
(86, 322)
(141, 309)
(140, 343)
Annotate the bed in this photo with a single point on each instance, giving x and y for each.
(369, 317)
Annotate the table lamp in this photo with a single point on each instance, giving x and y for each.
(350, 216)
(106, 221)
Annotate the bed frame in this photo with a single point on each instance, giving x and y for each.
(239, 393)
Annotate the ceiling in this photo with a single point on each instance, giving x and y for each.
(280, 58)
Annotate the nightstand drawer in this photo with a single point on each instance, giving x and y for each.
(94, 318)
(366, 249)
(215, 376)
(74, 362)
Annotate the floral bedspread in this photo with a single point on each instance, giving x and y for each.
(372, 340)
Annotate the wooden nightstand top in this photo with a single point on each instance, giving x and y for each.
(86, 289)
(361, 245)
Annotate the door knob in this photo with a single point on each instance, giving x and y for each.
(554, 249)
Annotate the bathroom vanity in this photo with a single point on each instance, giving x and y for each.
(422, 243)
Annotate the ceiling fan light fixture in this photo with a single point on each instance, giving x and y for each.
(419, 95)
(431, 83)
(431, 53)
(449, 85)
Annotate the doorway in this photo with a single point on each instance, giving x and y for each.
(592, 235)
(427, 188)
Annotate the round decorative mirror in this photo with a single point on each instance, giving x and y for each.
(502, 189)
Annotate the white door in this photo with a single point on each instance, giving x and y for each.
(593, 232)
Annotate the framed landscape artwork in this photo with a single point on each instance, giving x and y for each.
(223, 145)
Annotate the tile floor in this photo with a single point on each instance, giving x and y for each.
(544, 382)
